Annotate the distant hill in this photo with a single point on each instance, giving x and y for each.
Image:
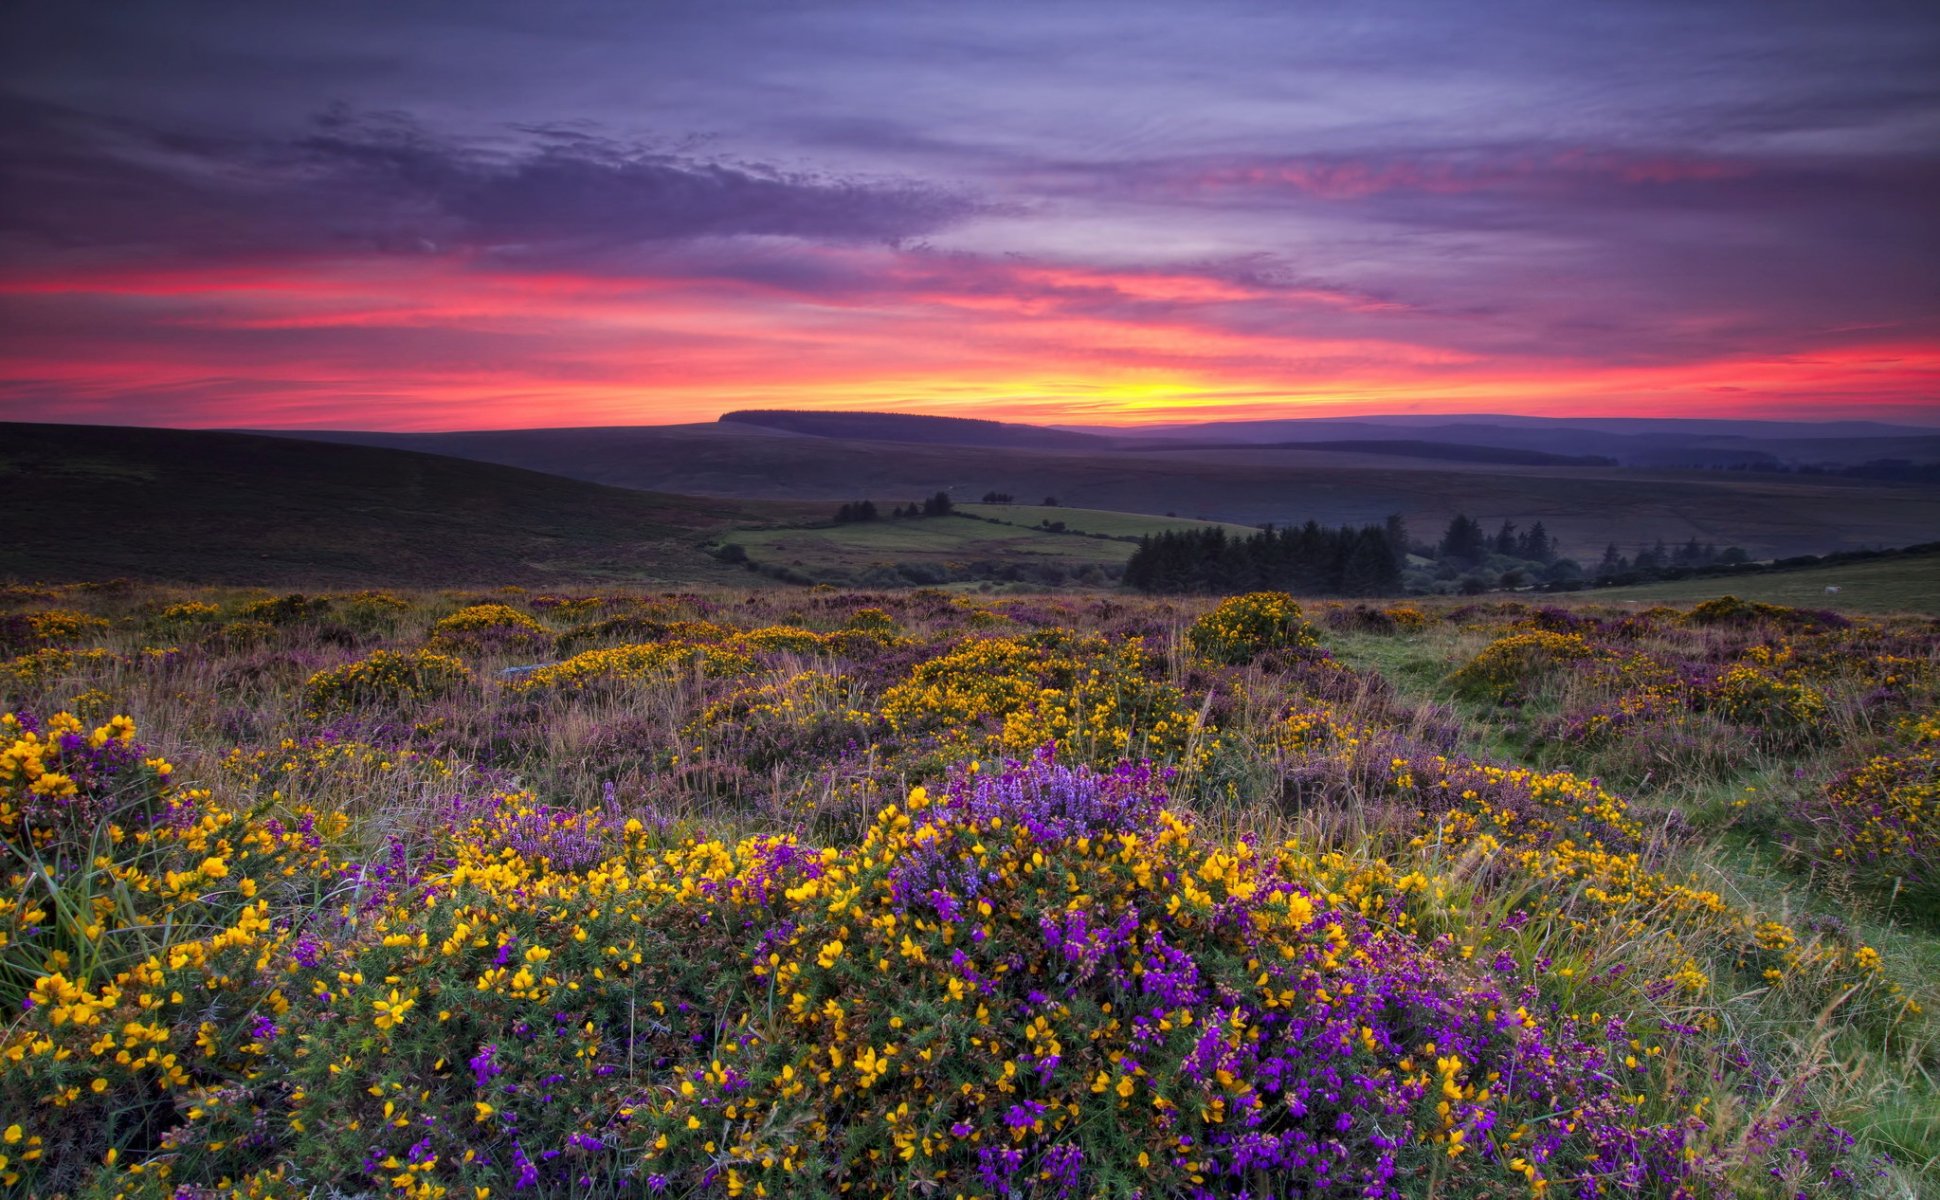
(911, 427)
(1439, 451)
(1647, 443)
(1413, 425)
(1584, 507)
(93, 502)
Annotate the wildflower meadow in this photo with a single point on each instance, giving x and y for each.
(819, 893)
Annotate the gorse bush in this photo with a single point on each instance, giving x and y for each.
(1095, 699)
(1040, 982)
(1879, 821)
(489, 629)
(133, 924)
(1515, 665)
(625, 666)
(386, 678)
(1244, 626)
(290, 609)
(1749, 696)
(47, 627)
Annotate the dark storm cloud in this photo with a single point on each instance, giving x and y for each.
(385, 183)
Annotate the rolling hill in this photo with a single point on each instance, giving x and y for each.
(1628, 441)
(1584, 507)
(88, 502)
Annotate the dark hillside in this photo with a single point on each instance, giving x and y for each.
(97, 502)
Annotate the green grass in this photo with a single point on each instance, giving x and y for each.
(979, 542)
(1909, 584)
(954, 545)
(1094, 520)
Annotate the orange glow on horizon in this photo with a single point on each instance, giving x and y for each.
(441, 343)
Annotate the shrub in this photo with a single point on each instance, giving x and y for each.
(622, 666)
(477, 617)
(1041, 983)
(190, 612)
(292, 609)
(1091, 698)
(489, 629)
(1243, 627)
(1879, 821)
(1512, 667)
(136, 936)
(386, 678)
(1780, 709)
(872, 620)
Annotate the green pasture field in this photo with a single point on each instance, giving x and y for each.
(983, 539)
(1095, 520)
(886, 543)
(1910, 584)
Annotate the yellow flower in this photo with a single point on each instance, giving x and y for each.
(390, 1013)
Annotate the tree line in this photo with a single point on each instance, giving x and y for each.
(939, 505)
(1310, 560)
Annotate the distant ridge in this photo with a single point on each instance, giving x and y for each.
(913, 427)
(1443, 451)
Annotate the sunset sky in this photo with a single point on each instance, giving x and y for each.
(487, 214)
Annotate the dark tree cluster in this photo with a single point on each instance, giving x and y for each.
(861, 510)
(998, 498)
(1310, 560)
(1651, 562)
(1466, 541)
(939, 505)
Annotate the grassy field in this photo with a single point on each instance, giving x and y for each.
(1910, 584)
(803, 892)
(1092, 520)
(936, 549)
(980, 542)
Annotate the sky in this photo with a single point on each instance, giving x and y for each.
(426, 216)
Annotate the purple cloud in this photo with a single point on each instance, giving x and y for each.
(357, 183)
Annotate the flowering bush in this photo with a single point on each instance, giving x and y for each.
(1512, 667)
(131, 937)
(1041, 982)
(623, 666)
(48, 627)
(1091, 697)
(1243, 627)
(385, 678)
(1880, 820)
(489, 629)
(290, 609)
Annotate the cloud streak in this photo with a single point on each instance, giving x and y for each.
(358, 184)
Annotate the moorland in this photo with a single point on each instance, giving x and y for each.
(804, 891)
